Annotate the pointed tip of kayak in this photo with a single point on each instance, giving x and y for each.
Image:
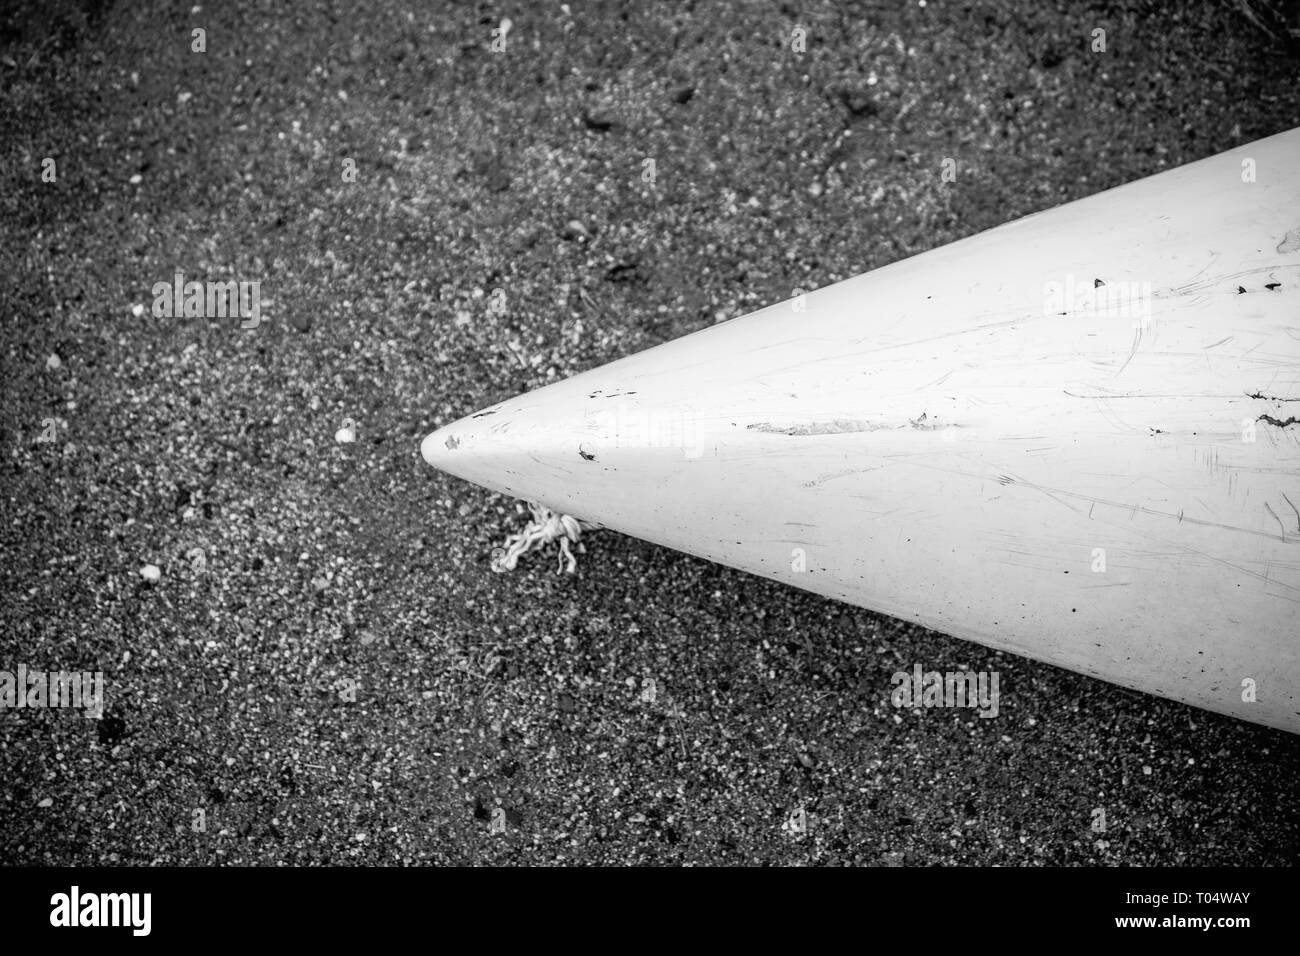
(440, 446)
(470, 450)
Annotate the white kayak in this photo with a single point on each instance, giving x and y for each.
(1072, 437)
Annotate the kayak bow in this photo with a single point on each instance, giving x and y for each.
(1072, 437)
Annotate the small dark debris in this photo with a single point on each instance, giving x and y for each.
(1277, 421)
(1051, 57)
(858, 102)
(599, 122)
(1270, 286)
(684, 95)
(625, 272)
(110, 730)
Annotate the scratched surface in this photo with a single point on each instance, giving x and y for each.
(947, 446)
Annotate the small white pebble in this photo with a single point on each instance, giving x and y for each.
(137, 310)
(136, 180)
(346, 435)
(151, 573)
(54, 363)
(47, 802)
(1146, 770)
(183, 97)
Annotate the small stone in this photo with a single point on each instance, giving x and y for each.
(136, 180)
(47, 802)
(137, 310)
(151, 573)
(54, 363)
(345, 435)
(600, 121)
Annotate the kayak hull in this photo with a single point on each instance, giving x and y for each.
(1070, 437)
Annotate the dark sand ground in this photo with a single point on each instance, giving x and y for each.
(520, 171)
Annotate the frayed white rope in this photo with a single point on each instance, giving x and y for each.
(546, 526)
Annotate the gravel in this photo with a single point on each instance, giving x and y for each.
(307, 657)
